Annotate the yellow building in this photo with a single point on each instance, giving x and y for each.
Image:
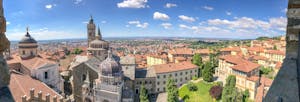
(157, 59)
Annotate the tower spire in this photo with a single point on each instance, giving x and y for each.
(99, 33)
(91, 19)
(27, 31)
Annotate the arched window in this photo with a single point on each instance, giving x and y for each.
(23, 52)
(83, 77)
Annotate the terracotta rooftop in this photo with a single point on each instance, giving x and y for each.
(203, 51)
(278, 65)
(31, 63)
(173, 67)
(237, 49)
(20, 85)
(253, 78)
(275, 52)
(240, 64)
(181, 51)
(261, 92)
(256, 49)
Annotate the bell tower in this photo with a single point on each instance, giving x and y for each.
(91, 28)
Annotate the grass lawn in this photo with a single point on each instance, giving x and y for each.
(201, 95)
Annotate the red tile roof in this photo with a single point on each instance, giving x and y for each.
(173, 67)
(240, 64)
(275, 52)
(181, 51)
(20, 85)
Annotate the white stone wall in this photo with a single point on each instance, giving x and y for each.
(53, 79)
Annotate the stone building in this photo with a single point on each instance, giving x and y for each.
(245, 71)
(28, 62)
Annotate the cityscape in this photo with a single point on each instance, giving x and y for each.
(177, 52)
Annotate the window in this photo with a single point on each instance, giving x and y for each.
(186, 72)
(83, 77)
(164, 82)
(175, 74)
(191, 71)
(164, 89)
(146, 82)
(46, 75)
(157, 83)
(23, 52)
(157, 89)
(31, 53)
(170, 75)
(164, 76)
(157, 76)
(137, 91)
(180, 73)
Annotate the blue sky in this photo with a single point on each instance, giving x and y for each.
(59, 19)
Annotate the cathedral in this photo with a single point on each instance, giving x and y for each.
(98, 76)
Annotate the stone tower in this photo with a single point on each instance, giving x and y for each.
(98, 47)
(5, 95)
(91, 28)
(4, 45)
(285, 87)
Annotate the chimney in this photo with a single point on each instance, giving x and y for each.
(32, 93)
(55, 98)
(24, 98)
(47, 97)
(61, 99)
(40, 96)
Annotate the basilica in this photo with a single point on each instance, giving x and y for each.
(98, 76)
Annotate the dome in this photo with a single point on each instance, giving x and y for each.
(28, 39)
(110, 67)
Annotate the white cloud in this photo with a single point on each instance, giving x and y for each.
(208, 8)
(250, 23)
(49, 6)
(103, 22)
(244, 27)
(186, 18)
(77, 1)
(166, 25)
(138, 24)
(7, 23)
(133, 4)
(284, 10)
(170, 5)
(228, 13)
(160, 16)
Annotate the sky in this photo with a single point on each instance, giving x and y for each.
(66, 19)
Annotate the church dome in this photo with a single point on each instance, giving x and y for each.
(99, 44)
(28, 39)
(110, 67)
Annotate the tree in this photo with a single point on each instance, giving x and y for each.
(197, 59)
(143, 94)
(207, 72)
(172, 91)
(216, 92)
(192, 87)
(77, 51)
(246, 95)
(229, 92)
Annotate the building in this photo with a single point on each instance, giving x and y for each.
(29, 62)
(181, 72)
(180, 52)
(157, 59)
(246, 72)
